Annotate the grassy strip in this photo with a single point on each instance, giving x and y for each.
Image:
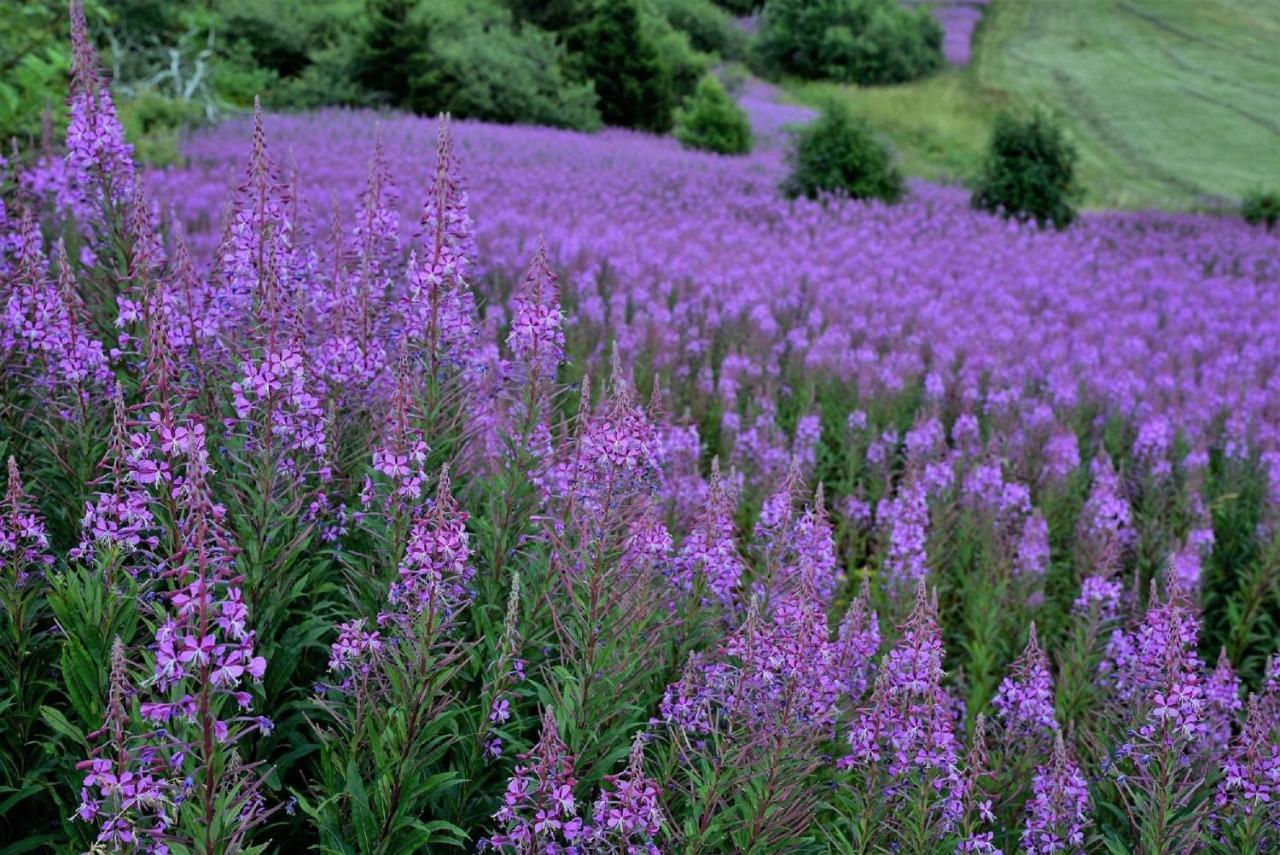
(1173, 103)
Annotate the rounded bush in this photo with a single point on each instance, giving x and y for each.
(840, 154)
(855, 41)
(1029, 173)
(1261, 208)
(710, 120)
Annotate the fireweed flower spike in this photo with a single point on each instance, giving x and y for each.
(435, 575)
(710, 552)
(1058, 812)
(195, 701)
(45, 331)
(506, 670)
(99, 160)
(539, 812)
(905, 518)
(439, 308)
(1106, 519)
(974, 809)
(1222, 701)
(401, 456)
(128, 788)
(905, 738)
(1247, 801)
(1024, 700)
(536, 338)
(627, 813)
(858, 643)
(120, 514)
(1157, 689)
(24, 542)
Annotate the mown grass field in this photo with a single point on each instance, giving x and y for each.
(1173, 103)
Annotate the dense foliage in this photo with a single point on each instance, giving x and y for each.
(709, 28)
(840, 154)
(622, 62)
(740, 7)
(179, 65)
(1030, 172)
(1261, 208)
(711, 120)
(603, 501)
(856, 41)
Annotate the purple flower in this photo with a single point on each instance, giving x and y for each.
(627, 814)
(1032, 556)
(539, 811)
(906, 520)
(24, 542)
(1058, 811)
(1024, 701)
(537, 337)
(710, 551)
(908, 725)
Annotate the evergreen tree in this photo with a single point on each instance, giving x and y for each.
(554, 15)
(710, 120)
(385, 55)
(631, 82)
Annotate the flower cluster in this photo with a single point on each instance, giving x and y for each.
(539, 811)
(906, 518)
(1058, 811)
(24, 542)
(537, 334)
(1024, 700)
(627, 813)
(1155, 667)
(908, 725)
(709, 554)
(435, 573)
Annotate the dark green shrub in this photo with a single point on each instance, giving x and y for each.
(279, 34)
(1030, 172)
(684, 64)
(470, 59)
(153, 123)
(740, 7)
(1261, 208)
(478, 64)
(840, 154)
(554, 15)
(857, 41)
(329, 79)
(710, 120)
(632, 83)
(389, 44)
(710, 29)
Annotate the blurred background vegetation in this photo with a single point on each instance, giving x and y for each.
(1171, 103)
(569, 63)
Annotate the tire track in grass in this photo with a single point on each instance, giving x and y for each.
(1082, 108)
(1113, 144)
(1260, 121)
(1173, 29)
(1177, 60)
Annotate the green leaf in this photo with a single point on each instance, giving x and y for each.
(59, 724)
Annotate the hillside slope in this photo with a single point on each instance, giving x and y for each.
(1169, 100)
(1173, 103)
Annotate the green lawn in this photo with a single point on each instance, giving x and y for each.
(1173, 103)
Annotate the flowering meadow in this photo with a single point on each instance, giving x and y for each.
(382, 485)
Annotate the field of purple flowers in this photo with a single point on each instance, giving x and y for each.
(379, 486)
